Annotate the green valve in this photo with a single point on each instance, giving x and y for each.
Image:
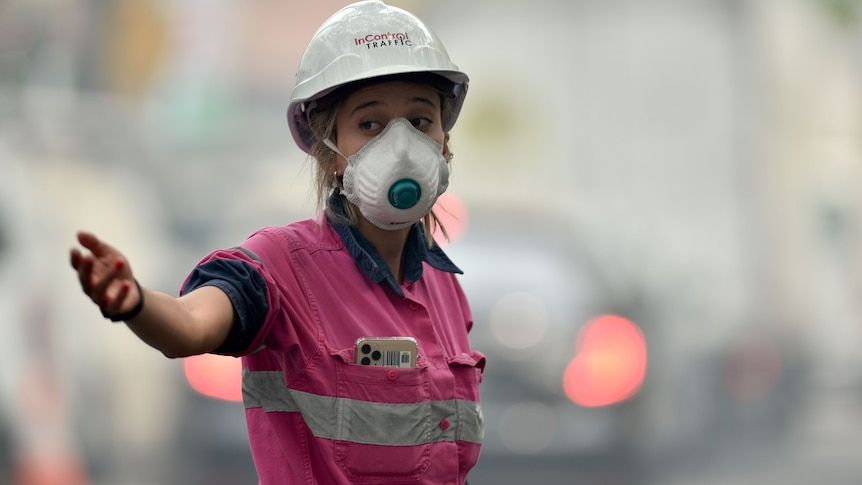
(404, 193)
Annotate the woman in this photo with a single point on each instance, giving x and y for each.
(375, 98)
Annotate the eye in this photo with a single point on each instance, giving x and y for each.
(369, 125)
(421, 123)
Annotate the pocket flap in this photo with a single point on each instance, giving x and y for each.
(473, 359)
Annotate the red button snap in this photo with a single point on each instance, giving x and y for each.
(444, 424)
(392, 374)
(414, 306)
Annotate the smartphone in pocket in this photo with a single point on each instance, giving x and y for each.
(387, 351)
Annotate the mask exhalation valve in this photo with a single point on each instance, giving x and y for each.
(404, 193)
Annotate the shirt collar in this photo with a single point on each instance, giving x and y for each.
(416, 251)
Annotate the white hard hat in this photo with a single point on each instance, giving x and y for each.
(365, 40)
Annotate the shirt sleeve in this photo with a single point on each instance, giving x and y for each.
(247, 291)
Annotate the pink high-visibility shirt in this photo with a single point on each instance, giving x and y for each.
(315, 417)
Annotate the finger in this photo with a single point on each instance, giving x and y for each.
(75, 258)
(96, 246)
(121, 267)
(85, 273)
(87, 239)
(101, 286)
(115, 300)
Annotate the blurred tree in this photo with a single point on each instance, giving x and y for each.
(136, 44)
(845, 12)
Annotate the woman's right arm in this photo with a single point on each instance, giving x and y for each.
(195, 323)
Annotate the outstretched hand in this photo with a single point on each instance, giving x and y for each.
(105, 276)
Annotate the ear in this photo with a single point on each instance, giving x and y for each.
(340, 165)
(447, 154)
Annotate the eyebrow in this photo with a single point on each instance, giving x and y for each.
(373, 102)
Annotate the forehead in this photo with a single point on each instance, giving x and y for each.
(392, 92)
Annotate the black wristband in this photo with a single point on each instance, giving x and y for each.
(131, 313)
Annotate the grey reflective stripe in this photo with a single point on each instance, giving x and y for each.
(365, 422)
(249, 253)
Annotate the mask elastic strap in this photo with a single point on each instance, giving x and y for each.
(332, 147)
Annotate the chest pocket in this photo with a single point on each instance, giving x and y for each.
(467, 369)
(382, 407)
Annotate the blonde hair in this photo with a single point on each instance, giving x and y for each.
(322, 121)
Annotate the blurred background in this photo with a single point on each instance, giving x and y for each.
(656, 205)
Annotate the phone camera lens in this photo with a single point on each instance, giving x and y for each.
(375, 355)
(366, 361)
(366, 348)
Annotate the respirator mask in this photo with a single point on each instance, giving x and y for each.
(396, 178)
